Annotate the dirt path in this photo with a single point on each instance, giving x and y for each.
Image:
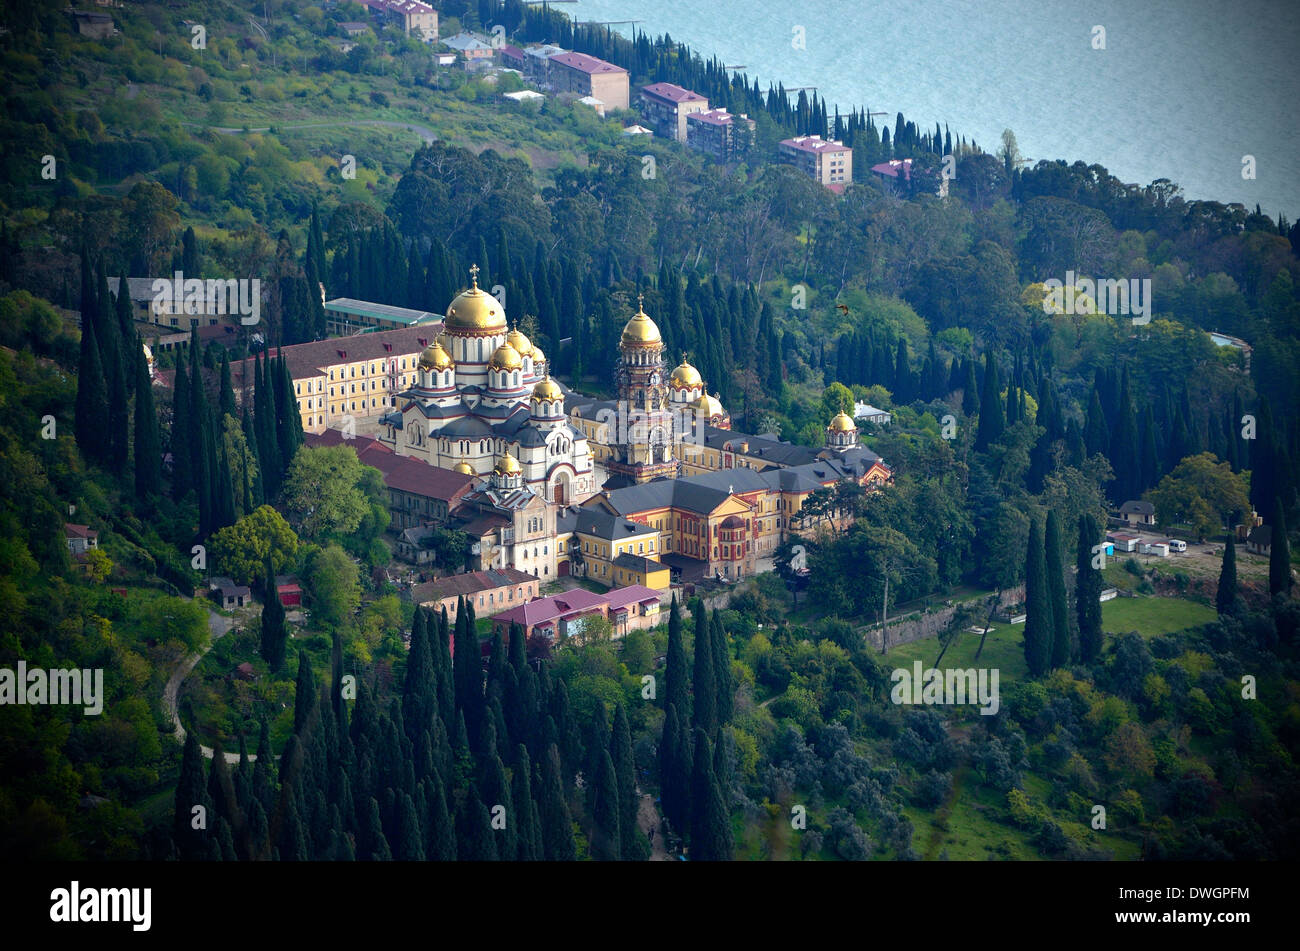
(647, 817)
(219, 626)
(423, 131)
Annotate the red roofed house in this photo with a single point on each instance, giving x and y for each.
(633, 608)
(559, 615)
(896, 171)
(512, 57)
(666, 106)
(826, 161)
(589, 76)
(81, 538)
(411, 14)
(488, 592)
(554, 616)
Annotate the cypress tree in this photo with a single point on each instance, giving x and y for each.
(528, 836)
(672, 793)
(148, 446)
(634, 846)
(710, 824)
(444, 681)
(182, 470)
(227, 390)
(992, 422)
(1088, 592)
(376, 843)
(274, 634)
(1095, 436)
(557, 827)
(606, 838)
(970, 398)
(418, 701)
(676, 687)
(1125, 452)
(468, 671)
(441, 836)
(1038, 605)
(704, 681)
(91, 411)
(410, 836)
(304, 703)
(1225, 599)
(190, 792)
(722, 668)
(1279, 555)
(1061, 648)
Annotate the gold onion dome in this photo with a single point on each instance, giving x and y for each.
(842, 423)
(521, 343)
(640, 330)
(538, 356)
(685, 377)
(547, 391)
(435, 357)
(475, 309)
(463, 467)
(508, 465)
(506, 357)
(710, 406)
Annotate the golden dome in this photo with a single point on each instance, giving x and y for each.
(475, 310)
(506, 357)
(710, 406)
(508, 465)
(842, 423)
(547, 391)
(538, 356)
(463, 467)
(685, 377)
(521, 343)
(435, 357)
(640, 330)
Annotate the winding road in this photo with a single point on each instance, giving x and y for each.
(219, 626)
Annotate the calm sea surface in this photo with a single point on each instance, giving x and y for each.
(1183, 90)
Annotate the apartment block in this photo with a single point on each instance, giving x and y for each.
(720, 134)
(589, 76)
(666, 107)
(826, 161)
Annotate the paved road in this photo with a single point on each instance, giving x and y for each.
(218, 625)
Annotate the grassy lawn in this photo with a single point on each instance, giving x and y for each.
(1003, 649)
(1153, 616)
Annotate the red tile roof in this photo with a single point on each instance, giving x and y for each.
(632, 594)
(404, 473)
(586, 64)
(814, 143)
(893, 167)
(469, 583)
(80, 531)
(672, 92)
(541, 610)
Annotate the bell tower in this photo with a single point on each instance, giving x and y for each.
(643, 443)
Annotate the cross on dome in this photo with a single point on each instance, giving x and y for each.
(473, 274)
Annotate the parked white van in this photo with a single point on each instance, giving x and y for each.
(1177, 544)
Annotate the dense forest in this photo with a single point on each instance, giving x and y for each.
(1016, 429)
